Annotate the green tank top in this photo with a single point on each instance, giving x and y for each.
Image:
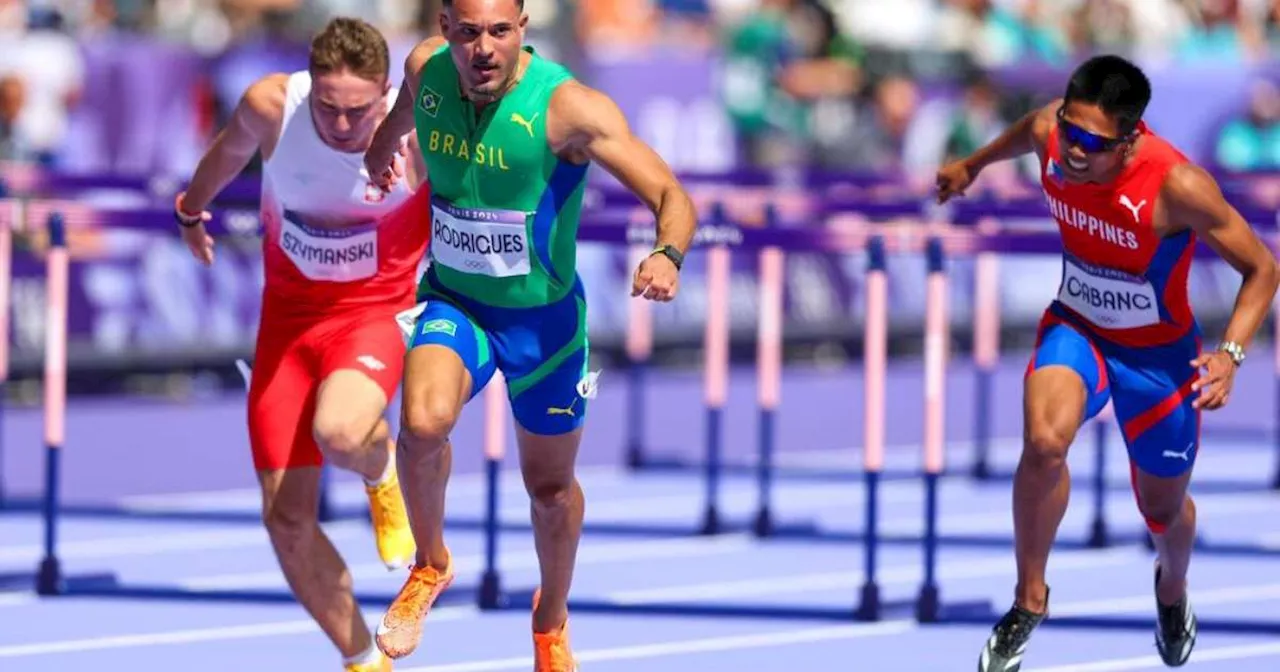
(504, 207)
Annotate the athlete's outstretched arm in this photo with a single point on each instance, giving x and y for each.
(1192, 199)
(256, 117)
(379, 159)
(581, 119)
(1028, 134)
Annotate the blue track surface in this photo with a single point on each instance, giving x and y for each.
(245, 620)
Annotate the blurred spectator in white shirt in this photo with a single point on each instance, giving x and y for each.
(50, 67)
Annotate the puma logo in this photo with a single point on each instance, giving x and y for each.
(568, 410)
(1184, 455)
(1126, 202)
(518, 118)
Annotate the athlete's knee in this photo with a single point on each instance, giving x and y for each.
(547, 484)
(552, 494)
(340, 437)
(1046, 442)
(1163, 512)
(426, 424)
(547, 467)
(549, 491)
(289, 522)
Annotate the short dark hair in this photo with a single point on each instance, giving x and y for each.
(449, 3)
(1115, 85)
(350, 44)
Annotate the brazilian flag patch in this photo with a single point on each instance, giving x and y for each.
(429, 101)
(440, 326)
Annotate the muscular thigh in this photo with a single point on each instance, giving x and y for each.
(282, 398)
(1153, 401)
(544, 354)
(1067, 380)
(361, 359)
(449, 361)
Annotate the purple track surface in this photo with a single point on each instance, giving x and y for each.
(130, 453)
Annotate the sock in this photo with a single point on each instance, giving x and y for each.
(386, 472)
(370, 656)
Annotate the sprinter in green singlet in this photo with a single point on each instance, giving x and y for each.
(507, 138)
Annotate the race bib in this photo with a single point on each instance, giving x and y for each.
(1108, 298)
(479, 242)
(331, 255)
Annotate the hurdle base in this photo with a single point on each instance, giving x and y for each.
(1264, 628)
(712, 523)
(765, 525)
(960, 611)
(928, 607)
(818, 535)
(490, 595)
(1098, 536)
(929, 604)
(869, 605)
(49, 579)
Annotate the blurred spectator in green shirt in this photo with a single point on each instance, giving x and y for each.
(786, 63)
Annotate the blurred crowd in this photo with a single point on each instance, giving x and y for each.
(836, 83)
(827, 82)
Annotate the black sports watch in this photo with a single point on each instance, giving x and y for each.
(670, 252)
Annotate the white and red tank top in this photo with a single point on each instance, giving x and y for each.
(332, 239)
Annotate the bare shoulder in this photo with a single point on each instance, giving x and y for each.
(263, 101)
(1043, 123)
(579, 109)
(1190, 189)
(1186, 180)
(419, 55)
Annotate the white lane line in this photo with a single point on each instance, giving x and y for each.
(1086, 561)
(1220, 653)
(705, 645)
(524, 558)
(881, 629)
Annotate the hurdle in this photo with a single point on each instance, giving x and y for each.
(496, 411)
(50, 580)
(979, 212)
(24, 214)
(772, 242)
(965, 240)
(8, 217)
(49, 577)
(928, 606)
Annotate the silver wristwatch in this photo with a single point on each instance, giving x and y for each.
(1234, 350)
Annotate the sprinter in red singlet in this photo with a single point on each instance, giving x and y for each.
(1130, 209)
(340, 256)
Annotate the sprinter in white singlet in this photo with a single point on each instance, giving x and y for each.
(340, 256)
